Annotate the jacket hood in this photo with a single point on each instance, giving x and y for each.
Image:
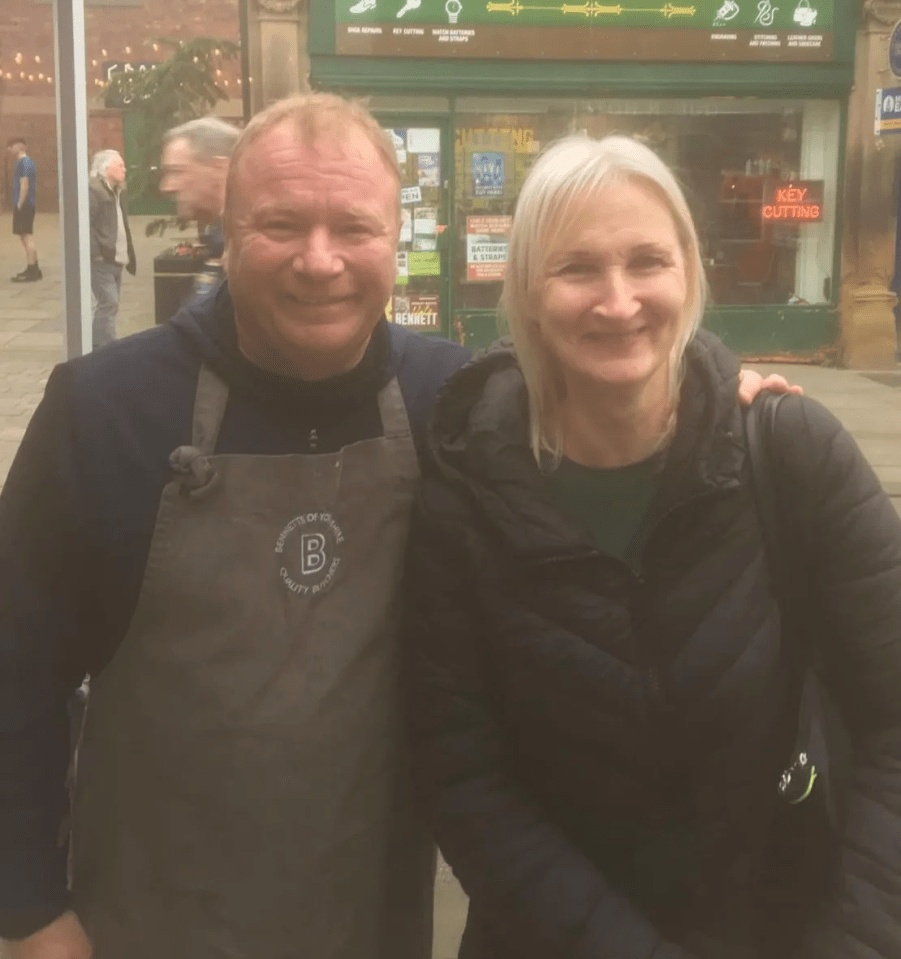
(480, 441)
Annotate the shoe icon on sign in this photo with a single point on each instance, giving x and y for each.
(363, 6)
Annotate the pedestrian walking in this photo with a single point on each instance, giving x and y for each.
(194, 167)
(24, 197)
(111, 245)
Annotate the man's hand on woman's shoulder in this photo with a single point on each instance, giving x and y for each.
(750, 383)
(64, 938)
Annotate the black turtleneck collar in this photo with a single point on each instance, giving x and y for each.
(215, 333)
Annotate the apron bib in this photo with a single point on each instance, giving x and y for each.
(242, 785)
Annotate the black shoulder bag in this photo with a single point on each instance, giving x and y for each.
(820, 759)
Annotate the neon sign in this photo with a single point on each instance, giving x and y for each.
(794, 202)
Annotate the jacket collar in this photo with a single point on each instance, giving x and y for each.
(480, 442)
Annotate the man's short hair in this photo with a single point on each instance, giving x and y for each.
(207, 137)
(12, 141)
(101, 160)
(314, 115)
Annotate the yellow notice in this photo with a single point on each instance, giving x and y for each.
(424, 263)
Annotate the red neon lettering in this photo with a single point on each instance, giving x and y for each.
(809, 211)
(790, 195)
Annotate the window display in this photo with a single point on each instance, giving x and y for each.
(760, 176)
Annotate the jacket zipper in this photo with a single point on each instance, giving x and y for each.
(651, 672)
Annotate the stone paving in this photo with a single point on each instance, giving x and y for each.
(31, 323)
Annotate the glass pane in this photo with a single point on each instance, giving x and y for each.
(760, 176)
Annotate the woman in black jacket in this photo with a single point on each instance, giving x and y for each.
(603, 700)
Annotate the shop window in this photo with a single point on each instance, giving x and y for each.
(760, 176)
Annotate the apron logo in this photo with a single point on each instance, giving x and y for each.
(310, 560)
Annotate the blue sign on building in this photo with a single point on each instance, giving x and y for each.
(888, 110)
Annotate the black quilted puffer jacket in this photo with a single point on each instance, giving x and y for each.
(598, 749)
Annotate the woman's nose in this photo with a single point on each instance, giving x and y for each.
(617, 296)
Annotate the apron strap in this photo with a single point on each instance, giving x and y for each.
(395, 422)
(209, 408)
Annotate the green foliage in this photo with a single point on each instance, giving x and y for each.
(180, 88)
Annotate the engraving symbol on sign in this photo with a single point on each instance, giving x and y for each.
(312, 553)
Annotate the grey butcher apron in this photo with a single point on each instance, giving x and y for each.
(242, 786)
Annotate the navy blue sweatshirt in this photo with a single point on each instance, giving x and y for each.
(76, 518)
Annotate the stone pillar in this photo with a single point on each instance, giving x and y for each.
(868, 335)
(278, 50)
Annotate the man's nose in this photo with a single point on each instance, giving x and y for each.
(317, 256)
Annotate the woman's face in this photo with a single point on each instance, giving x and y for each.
(612, 303)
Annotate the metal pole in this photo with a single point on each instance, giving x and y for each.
(245, 58)
(72, 150)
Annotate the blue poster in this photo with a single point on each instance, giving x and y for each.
(488, 174)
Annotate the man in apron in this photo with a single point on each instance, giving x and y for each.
(242, 781)
(210, 519)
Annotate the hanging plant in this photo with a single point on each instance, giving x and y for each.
(182, 87)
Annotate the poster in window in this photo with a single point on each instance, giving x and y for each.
(429, 169)
(399, 142)
(416, 311)
(488, 174)
(406, 225)
(487, 240)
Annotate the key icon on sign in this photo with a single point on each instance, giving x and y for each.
(409, 5)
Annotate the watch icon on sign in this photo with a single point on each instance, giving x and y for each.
(453, 8)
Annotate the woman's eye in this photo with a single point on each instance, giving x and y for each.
(575, 269)
(649, 262)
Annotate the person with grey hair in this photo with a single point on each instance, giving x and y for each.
(111, 244)
(194, 166)
(632, 690)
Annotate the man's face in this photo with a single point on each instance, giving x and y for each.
(196, 183)
(115, 172)
(14, 149)
(310, 249)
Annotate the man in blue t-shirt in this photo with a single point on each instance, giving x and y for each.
(24, 192)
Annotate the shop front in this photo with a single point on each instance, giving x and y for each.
(745, 100)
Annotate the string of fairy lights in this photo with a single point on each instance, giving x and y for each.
(27, 72)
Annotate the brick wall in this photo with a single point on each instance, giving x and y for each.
(113, 31)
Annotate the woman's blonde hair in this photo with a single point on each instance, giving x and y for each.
(570, 170)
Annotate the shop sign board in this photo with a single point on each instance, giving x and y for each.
(487, 245)
(888, 111)
(894, 51)
(671, 30)
(111, 67)
(794, 201)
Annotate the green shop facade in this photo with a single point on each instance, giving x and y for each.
(745, 99)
